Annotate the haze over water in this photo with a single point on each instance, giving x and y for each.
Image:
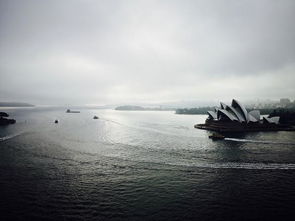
(140, 165)
(143, 165)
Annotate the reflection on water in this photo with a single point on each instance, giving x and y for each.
(140, 165)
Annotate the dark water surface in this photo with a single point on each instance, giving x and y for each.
(140, 166)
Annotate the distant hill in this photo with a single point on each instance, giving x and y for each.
(263, 111)
(198, 110)
(15, 104)
(139, 108)
(129, 107)
(267, 111)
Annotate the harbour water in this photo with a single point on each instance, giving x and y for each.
(140, 165)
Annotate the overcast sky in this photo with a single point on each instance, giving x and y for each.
(106, 52)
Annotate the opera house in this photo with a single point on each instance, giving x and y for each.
(235, 118)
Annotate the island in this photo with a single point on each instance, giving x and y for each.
(192, 111)
(140, 108)
(15, 104)
(129, 108)
(4, 120)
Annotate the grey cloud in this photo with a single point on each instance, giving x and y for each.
(116, 51)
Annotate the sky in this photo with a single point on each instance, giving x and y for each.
(133, 51)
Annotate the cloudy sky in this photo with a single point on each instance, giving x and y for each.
(106, 52)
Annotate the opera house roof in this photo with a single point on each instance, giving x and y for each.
(236, 118)
(236, 112)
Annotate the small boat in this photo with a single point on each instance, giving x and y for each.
(216, 136)
(56, 121)
(95, 117)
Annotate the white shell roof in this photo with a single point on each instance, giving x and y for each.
(272, 120)
(252, 119)
(255, 114)
(240, 108)
(212, 114)
(237, 112)
(228, 114)
(222, 105)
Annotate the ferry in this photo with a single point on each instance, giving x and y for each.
(216, 136)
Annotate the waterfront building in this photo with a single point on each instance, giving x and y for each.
(236, 118)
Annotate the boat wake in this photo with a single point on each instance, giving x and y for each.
(10, 136)
(150, 129)
(259, 141)
(246, 166)
(210, 165)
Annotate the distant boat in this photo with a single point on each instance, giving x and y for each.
(216, 136)
(95, 117)
(56, 121)
(70, 111)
